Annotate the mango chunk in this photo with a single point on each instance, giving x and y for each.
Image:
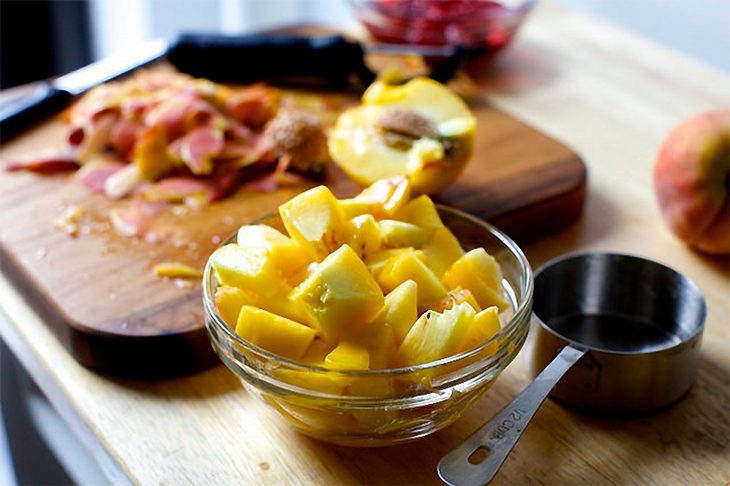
(249, 269)
(420, 211)
(457, 296)
(435, 336)
(348, 356)
(176, 270)
(442, 250)
(397, 234)
(480, 273)
(484, 326)
(409, 267)
(365, 238)
(316, 221)
(400, 310)
(287, 254)
(274, 333)
(340, 292)
(228, 301)
(386, 196)
(354, 207)
(377, 261)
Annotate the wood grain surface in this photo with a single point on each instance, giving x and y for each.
(98, 290)
(611, 95)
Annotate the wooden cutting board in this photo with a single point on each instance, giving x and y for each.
(98, 291)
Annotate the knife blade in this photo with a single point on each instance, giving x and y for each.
(49, 96)
(330, 61)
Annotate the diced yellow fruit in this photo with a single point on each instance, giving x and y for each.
(317, 351)
(400, 310)
(398, 234)
(457, 296)
(228, 301)
(442, 250)
(377, 338)
(480, 273)
(365, 238)
(354, 207)
(377, 261)
(310, 380)
(435, 336)
(176, 270)
(339, 292)
(348, 356)
(274, 333)
(249, 269)
(316, 221)
(420, 211)
(287, 254)
(485, 325)
(386, 196)
(311, 417)
(409, 267)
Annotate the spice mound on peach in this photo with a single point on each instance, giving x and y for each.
(692, 181)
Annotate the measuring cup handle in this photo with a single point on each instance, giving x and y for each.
(497, 437)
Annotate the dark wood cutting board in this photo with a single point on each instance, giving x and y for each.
(98, 291)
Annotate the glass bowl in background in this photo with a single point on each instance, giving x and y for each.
(388, 406)
(478, 23)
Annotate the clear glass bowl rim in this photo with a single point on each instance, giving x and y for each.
(519, 316)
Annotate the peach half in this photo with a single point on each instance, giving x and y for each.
(420, 129)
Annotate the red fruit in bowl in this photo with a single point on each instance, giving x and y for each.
(692, 181)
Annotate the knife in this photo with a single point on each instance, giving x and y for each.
(330, 61)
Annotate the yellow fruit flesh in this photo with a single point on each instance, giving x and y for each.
(357, 145)
(337, 316)
(386, 196)
(365, 238)
(400, 310)
(484, 326)
(409, 267)
(478, 272)
(398, 234)
(435, 336)
(341, 291)
(348, 356)
(288, 256)
(420, 211)
(228, 302)
(274, 333)
(249, 269)
(316, 221)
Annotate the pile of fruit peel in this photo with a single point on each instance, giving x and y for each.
(168, 137)
(376, 281)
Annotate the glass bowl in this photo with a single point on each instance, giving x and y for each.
(478, 23)
(386, 406)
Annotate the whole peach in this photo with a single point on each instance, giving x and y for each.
(692, 179)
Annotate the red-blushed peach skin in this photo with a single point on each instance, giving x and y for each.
(691, 178)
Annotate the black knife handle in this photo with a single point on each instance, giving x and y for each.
(18, 114)
(329, 60)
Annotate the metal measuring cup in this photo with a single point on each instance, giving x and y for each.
(611, 333)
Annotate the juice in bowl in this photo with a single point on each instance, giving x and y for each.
(367, 321)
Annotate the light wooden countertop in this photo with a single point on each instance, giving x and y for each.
(610, 95)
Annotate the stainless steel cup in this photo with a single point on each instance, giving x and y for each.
(611, 333)
(640, 321)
